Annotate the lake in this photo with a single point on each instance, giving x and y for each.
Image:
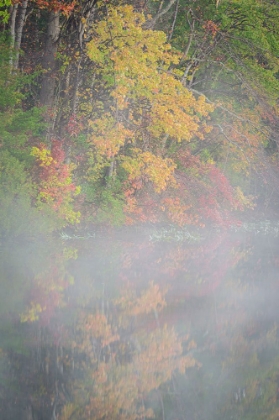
(141, 323)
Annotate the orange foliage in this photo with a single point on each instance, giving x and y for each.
(150, 300)
(126, 367)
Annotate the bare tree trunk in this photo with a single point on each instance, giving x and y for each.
(49, 61)
(18, 37)
(111, 169)
(76, 87)
(160, 6)
(149, 24)
(190, 40)
(174, 21)
(13, 14)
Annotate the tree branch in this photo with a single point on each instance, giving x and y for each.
(174, 21)
(152, 22)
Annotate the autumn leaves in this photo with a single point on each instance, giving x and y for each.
(146, 106)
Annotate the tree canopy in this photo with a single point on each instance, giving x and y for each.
(127, 112)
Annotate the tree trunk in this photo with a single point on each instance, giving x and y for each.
(13, 14)
(76, 87)
(49, 61)
(149, 24)
(18, 36)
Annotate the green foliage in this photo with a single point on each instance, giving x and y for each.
(111, 208)
(10, 81)
(4, 14)
(252, 28)
(18, 215)
(106, 204)
(16, 128)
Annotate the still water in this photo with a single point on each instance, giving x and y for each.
(140, 324)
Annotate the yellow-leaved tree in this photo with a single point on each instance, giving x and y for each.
(144, 108)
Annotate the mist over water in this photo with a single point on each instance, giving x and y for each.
(112, 326)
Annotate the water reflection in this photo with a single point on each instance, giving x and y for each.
(121, 328)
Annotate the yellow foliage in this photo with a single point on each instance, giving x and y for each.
(108, 136)
(245, 201)
(148, 167)
(145, 101)
(32, 313)
(43, 155)
(143, 106)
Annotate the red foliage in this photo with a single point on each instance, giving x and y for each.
(56, 5)
(222, 184)
(74, 126)
(211, 27)
(54, 174)
(207, 190)
(217, 203)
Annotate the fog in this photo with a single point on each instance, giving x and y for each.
(138, 323)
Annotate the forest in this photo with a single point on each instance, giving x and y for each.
(139, 201)
(121, 113)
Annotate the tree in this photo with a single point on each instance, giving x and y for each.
(147, 107)
(228, 55)
(132, 112)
